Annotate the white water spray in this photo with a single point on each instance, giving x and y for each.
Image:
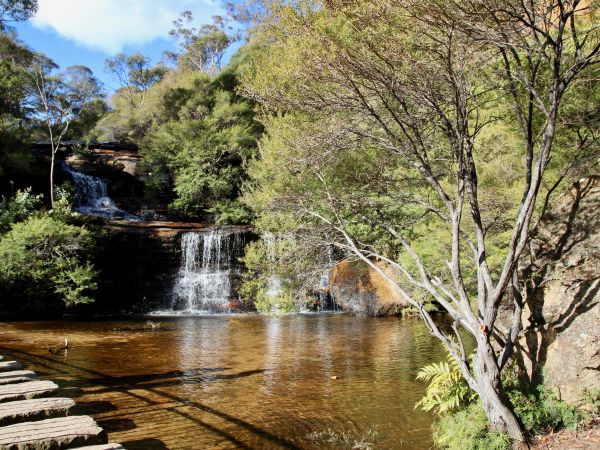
(208, 260)
(92, 196)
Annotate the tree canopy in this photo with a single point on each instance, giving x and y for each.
(389, 124)
(16, 11)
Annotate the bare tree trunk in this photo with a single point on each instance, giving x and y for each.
(52, 178)
(495, 403)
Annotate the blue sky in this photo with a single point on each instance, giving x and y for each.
(87, 32)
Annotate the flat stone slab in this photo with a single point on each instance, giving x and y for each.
(28, 390)
(17, 376)
(30, 410)
(102, 447)
(52, 434)
(7, 366)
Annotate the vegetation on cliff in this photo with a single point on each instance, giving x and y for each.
(424, 139)
(426, 135)
(45, 257)
(195, 132)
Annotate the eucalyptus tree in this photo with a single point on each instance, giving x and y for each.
(16, 11)
(382, 120)
(202, 49)
(135, 76)
(60, 99)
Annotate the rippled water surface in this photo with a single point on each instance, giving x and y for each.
(321, 381)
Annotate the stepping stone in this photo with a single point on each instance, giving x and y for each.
(30, 410)
(7, 366)
(17, 376)
(102, 447)
(52, 434)
(28, 390)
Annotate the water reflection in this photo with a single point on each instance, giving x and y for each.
(239, 382)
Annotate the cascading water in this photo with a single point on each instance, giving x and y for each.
(208, 264)
(321, 286)
(92, 196)
(326, 300)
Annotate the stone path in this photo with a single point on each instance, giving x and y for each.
(30, 410)
(17, 376)
(31, 418)
(7, 366)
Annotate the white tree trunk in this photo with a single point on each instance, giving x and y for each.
(495, 403)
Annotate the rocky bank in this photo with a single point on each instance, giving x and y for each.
(561, 344)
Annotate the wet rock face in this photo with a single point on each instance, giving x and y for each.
(119, 168)
(562, 319)
(359, 289)
(139, 264)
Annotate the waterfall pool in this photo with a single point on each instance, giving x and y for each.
(225, 382)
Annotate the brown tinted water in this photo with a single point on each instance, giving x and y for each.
(239, 381)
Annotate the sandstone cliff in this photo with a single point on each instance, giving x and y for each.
(561, 344)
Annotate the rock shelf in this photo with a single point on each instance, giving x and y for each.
(32, 418)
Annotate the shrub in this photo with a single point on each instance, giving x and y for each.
(277, 305)
(17, 208)
(591, 397)
(468, 429)
(463, 423)
(541, 412)
(44, 257)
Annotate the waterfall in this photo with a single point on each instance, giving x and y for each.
(208, 264)
(326, 300)
(92, 196)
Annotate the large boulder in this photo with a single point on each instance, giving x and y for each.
(561, 344)
(357, 288)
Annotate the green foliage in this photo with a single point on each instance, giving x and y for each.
(255, 281)
(65, 197)
(468, 429)
(334, 87)
(44, 257)
(14, 58)
(18, 208)
(196, 136)
(204, 144)
(541, 412)
(275, 305)
(16, 11)
(463, 423)
(447, 389)
(82, 128)
(591, 398)
(202, 49)
(135, 75)
(279, 279)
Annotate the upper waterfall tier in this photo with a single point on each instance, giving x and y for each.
(92, 196)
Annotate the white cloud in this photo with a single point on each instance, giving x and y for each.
(109, 25)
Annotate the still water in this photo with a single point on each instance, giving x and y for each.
(224, 382)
